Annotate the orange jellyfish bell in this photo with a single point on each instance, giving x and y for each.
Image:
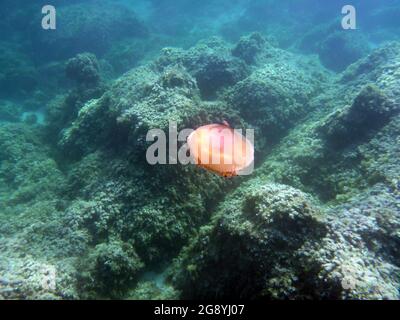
(221, 149)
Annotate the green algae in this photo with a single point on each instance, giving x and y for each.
(78, 195)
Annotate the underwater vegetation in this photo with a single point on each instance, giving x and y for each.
(222, 150)
(83, 215)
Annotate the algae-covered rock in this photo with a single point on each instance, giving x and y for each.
(145, 98)
(79, 195)
(148, 290)
(310, 41)
(379, 156)
(30, 279)
(352, 250)
(360, 252)
(37, 249)
(262, 231)
(341, 49)
(273, 98)
(305, 158)
(110, 268)
(90, 26)
(248, 47)
(290, 248)
(337, 48)
(370, 111)
(84, 71)
(211, 63)
(218, 72)
(27, 172)
(80, 136)
(380, 68)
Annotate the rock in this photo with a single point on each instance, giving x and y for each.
(363, 239)
(211, 63)
(31, 279)
(310, 41)
(110, 268)
(149, 290)
(145, 98)
(9, 111)
(380, 161)
(341, 49)
(380, 68)
(370, 111)
(272, 98)
(84, 69)
(249, 47)
(218, 72)
(293, 249)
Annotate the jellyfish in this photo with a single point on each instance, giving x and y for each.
(221, 149)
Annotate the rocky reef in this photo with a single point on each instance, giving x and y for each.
(318, 219)
(262, 231)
